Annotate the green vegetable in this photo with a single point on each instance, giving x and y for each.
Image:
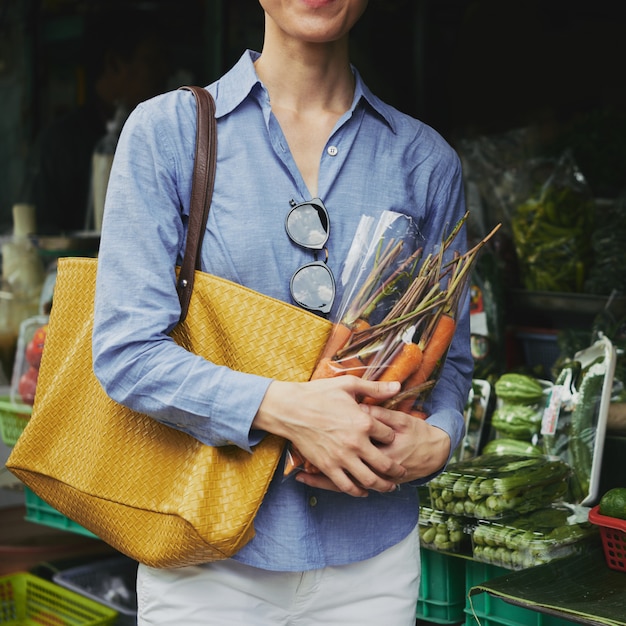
(583, 427)
(531, 539)
(439, 531)
(517, 421)
(613, 503)
(492, 485)
(551, 231)
(513, 387)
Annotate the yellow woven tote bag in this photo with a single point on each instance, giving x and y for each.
(154, 493)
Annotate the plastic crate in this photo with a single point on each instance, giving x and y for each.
(28, 599)
(13, 419)
(487, 610)
(613, 533)
(40, 512)
(111, 582)
(442, 588)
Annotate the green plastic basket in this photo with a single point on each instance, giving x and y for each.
(40, 512)
(26, 599)
(13, 419)
(442, 588)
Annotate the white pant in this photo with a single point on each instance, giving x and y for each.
(381, 591)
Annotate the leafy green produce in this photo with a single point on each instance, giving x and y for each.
(573, 413)
(583, 428)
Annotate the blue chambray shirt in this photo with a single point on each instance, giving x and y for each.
(376, 159)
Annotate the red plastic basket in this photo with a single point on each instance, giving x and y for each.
(613, 533)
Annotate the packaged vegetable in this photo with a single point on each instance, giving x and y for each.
(519, 407)
(493, 486)
(574, 421)
(443, 532)
(476, 414)
(532, 539)
(551, 231)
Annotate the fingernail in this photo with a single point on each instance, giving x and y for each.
(393, 386)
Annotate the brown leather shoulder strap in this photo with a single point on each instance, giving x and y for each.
(201, 192)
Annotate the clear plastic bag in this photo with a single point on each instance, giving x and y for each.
(398, 314)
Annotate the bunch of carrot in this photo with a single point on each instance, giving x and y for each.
(410, 342)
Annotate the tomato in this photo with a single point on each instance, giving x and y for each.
(28, 384)
(34, 349)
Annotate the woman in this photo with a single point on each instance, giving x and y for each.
(294, 123)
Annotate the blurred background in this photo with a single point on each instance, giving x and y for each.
(466, 67)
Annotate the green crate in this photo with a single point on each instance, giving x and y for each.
(487, 610)
(28, 599)
(13, 419)
(40, 512)
(442, 588)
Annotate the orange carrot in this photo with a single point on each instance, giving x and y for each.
(338, 338)
(419, 414)
(293, 461)
(327, 368)
(403, 364)
(353, 365)
(360, 325)
(341, 334)
(433, 352)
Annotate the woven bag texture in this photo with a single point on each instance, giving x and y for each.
(154, 493)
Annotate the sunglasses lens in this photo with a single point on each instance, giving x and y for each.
(307, 225)
(313, 287)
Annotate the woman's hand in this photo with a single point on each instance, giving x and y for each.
(420, 448)
(331, 429)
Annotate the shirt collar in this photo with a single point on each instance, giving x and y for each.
(241, 81)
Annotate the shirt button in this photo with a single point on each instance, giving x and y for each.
(332, 150)
(312, 501)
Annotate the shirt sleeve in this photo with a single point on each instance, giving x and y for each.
(447, 401)
(137, 305)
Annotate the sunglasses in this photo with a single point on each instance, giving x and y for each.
(312, 286)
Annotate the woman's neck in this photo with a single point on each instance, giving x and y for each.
(307, 77)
